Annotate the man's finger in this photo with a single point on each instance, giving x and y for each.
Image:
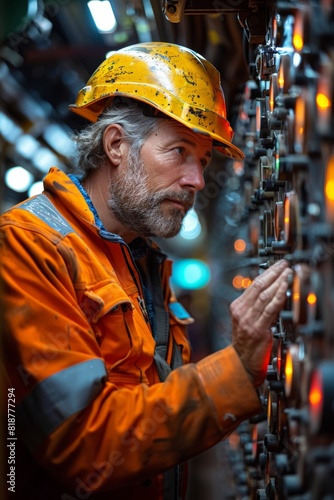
(271, 301)
(273, 297)
(264, 281)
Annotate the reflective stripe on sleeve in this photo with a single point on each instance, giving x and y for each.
(57, 398)
(43, 208)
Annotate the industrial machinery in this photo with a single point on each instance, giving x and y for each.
(284, 208)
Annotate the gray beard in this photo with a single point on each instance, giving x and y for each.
(141, 211)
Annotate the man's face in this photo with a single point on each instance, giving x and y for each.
(155, 189)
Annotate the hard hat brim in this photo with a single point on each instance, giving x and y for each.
(189, 116)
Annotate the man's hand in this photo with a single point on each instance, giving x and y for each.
(253, 314)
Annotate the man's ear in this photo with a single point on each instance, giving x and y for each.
(113, 143)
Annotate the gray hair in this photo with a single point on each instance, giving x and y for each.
(137, 126)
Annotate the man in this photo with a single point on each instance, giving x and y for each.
(108, 404)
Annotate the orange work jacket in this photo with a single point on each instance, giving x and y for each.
(94, 416)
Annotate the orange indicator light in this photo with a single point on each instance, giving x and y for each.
(246, 282)
(288, 371)
(315, 394)
(239, 245)
(311, 298)
(298, 32)
(241, 282)
(237, 281)
(322, 101)
(298, 41)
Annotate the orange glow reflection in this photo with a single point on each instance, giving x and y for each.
(281, 77)
(315, 396)
(329, 190)
(288, 372)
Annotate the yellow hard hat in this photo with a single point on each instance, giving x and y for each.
(173, 79)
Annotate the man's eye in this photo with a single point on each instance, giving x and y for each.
(180, 150)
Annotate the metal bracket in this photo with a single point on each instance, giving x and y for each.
(253, 15)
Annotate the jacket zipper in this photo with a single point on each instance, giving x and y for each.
(138, 282)
(143, 308)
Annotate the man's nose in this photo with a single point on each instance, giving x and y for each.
(193, 178)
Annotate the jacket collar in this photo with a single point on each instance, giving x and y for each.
(76, 200)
